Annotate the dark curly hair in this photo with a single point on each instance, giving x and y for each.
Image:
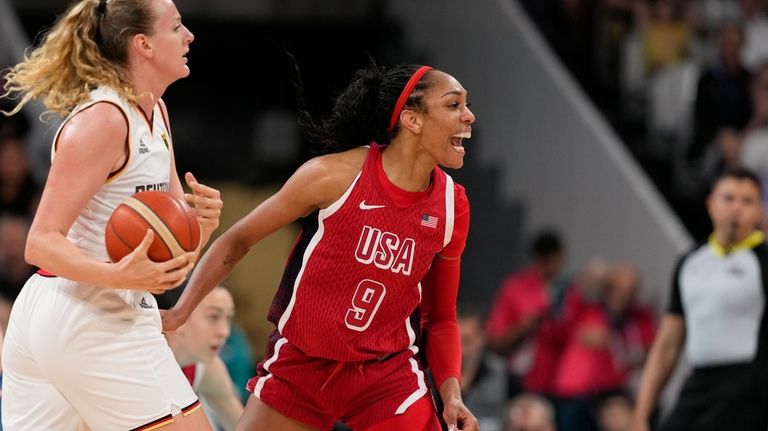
(362, 111)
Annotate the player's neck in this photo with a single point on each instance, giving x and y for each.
(405, 169)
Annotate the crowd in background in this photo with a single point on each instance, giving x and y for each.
(19, 194)
(683, 82)
(557, 351)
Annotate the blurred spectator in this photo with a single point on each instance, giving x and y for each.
(722, 96)
(614, 23)
(614, 412)
(525, 322)
(633, 327)
(484, 375)
(236, 351)
(19, 192)
(529, 412)
(755, 50)
(196, 345)
(579, 375)
(608, 337)
(754, 151)
(722, 110)
(17, 125)
(14, 270)
(666, 37)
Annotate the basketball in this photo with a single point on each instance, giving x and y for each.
(174, 224)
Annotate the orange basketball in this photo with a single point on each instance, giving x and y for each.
(174, 223)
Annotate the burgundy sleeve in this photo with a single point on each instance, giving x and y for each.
(440, 289)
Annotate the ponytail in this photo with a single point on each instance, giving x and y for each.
(87, 47)
(362, 112)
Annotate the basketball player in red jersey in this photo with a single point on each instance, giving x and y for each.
(375, 268)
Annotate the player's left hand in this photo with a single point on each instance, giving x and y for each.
(207, 204)
(458, 417)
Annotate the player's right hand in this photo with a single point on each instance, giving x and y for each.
(137, 271)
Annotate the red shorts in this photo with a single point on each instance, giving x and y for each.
(318, 391)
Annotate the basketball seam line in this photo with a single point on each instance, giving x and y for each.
(119, 238)
(158, 224)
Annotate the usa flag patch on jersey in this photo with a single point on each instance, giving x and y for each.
(428, 221)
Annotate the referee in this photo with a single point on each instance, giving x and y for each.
(717, 311)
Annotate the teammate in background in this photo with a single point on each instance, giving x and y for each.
(196, 345)
(84, 347)
(717, 311)
(383, 232)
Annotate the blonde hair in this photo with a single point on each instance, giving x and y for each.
(85, 48)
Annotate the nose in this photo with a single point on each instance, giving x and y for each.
(190, 36)
(224, 330)
(468, 116)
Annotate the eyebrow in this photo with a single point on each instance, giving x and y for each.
(452, 92)
(216, 308)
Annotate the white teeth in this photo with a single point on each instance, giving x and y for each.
(465, 135)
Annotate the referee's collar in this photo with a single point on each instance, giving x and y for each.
(750, 241)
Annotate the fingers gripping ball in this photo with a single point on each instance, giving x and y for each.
(176, 230)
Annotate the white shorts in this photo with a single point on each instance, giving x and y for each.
(79, 357)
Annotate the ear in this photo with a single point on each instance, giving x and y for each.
(411, 120)
(142, 45)
(710, 202)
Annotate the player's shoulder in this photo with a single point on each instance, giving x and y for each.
(341, 165)
(326, 177)
(103, 117)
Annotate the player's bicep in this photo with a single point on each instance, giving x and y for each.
(310, 188)
(96, 139)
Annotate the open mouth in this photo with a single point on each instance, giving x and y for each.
(457, 141)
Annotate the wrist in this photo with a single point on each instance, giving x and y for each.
(641, 414)
(180, 310)
(450, 389)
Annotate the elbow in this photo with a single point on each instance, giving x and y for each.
(238, 246)
(230, 244)
(30, 251)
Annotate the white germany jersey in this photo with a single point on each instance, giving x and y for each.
(148, 168)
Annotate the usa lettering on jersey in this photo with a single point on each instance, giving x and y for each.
(385, 250)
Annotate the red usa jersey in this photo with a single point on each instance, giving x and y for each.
(352, 283)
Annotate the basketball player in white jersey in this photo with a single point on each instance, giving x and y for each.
(84, 348)
(196, 345)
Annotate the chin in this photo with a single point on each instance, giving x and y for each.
(457, 164)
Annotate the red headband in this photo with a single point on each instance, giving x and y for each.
(415, 78)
